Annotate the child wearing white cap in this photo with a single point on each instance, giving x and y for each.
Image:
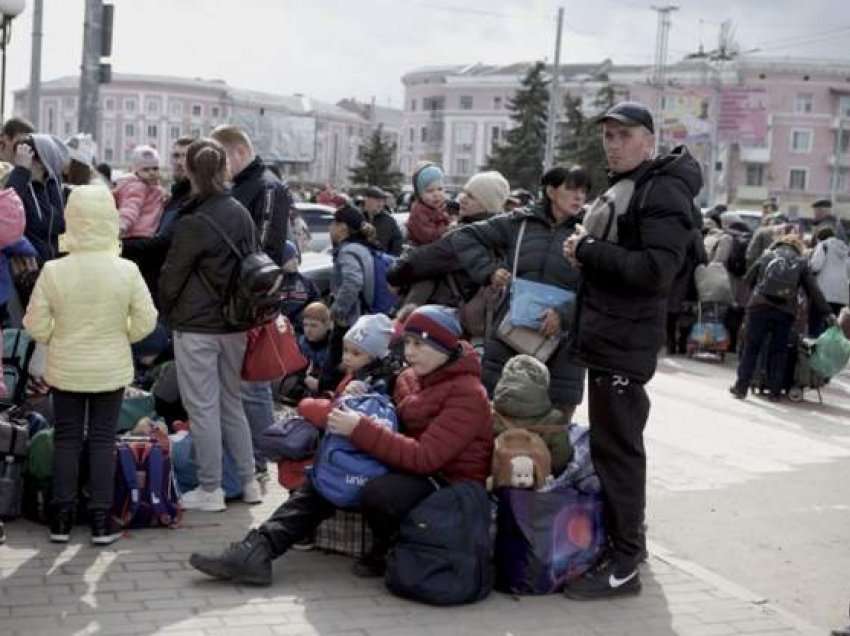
(140, 197)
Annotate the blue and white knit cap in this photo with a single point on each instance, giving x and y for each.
(425, 176)
(372, 334)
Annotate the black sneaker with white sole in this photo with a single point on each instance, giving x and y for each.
(605, 580)
(104, 529)
(61, 523)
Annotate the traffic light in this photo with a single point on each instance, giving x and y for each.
(107, 19)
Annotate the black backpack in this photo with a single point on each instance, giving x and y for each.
(780, 276)
(443, 552)
(253, 294)
(736, 264)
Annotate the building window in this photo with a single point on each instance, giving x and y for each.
(109, 104)
(177, 108)
(464, 137)
(152, 131)
(844, 106)
(462, 166)
(497, 103)
(196, 133)
(801, 141)
(197, 109)
(214, 112)
(423, 134)
(842, 181)
(68, 127)
(412, 135)
(755, 174)
(68, 103)
(433, 103)
(108, 154)
(413, 105)
(466, 102)
(797, 179)
(803, 103)
(129, 130)
(130, 105)
(495, 136)
(153, 106)
(174, 132)
(51, 120)
(844, 141)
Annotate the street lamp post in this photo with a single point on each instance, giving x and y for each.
(9, 9)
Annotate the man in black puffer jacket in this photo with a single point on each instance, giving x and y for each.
(620, 327)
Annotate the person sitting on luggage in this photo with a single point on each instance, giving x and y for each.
(521, 400)
(88, 308)
(447, 438)
(775, 278)
(298, 291)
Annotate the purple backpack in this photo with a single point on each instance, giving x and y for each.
(146, 494)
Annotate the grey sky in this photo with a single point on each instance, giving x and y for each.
(330, 49)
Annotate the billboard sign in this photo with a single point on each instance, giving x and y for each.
(743, 116)
(277, 136)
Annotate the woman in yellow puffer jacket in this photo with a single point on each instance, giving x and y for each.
(88, 307)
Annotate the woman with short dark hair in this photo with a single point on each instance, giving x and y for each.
(546, 226)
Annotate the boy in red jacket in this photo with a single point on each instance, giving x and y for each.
(444, 411)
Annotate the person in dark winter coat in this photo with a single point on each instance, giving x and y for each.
(433, 274)
(268, 201)
(771, 315)
(822, 209)
(447, 438)
(387, 233)
(547, 226)
(255, 186)
(209, 352)
(684, 291)
(620, 326)
(37, 178)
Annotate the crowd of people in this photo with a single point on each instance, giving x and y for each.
(563, 293)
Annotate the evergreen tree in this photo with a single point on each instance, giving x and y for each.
(520, 157)
(376, 163)
(582, 139)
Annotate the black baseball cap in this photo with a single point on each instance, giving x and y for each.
(630, 114)
(374, 192)
(822, 203)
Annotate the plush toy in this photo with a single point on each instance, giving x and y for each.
(518, 443)
(522, 472)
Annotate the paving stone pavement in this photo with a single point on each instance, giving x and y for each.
(144, 585)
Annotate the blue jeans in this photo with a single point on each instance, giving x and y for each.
(761, 324)
(259, 409)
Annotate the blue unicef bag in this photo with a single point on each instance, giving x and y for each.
(340, 469)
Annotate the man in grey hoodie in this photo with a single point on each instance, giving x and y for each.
(37, 178)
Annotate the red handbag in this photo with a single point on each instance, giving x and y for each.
(272, 352)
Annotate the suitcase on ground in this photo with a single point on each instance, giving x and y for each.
(14, 440)
(344, 533)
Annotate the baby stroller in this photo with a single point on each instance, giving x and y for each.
(708, 334)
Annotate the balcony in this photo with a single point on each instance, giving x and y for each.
(840, 122)
(753, 154)
(752, 193)
(843, 161)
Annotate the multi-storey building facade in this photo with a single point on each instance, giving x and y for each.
(760, 127)
(312, 141)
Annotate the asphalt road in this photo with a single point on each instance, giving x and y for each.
(756, 492)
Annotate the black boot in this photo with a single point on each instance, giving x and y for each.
(104, 529)
(249, 561)
(61, 523)
(370, 566)
(738, 391)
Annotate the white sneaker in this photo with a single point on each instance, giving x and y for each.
(251, 493)
(200, 499)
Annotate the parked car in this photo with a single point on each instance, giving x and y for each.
(749, 218)
(318, 218)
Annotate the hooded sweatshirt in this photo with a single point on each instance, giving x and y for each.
(42, 201)
(91, 305)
